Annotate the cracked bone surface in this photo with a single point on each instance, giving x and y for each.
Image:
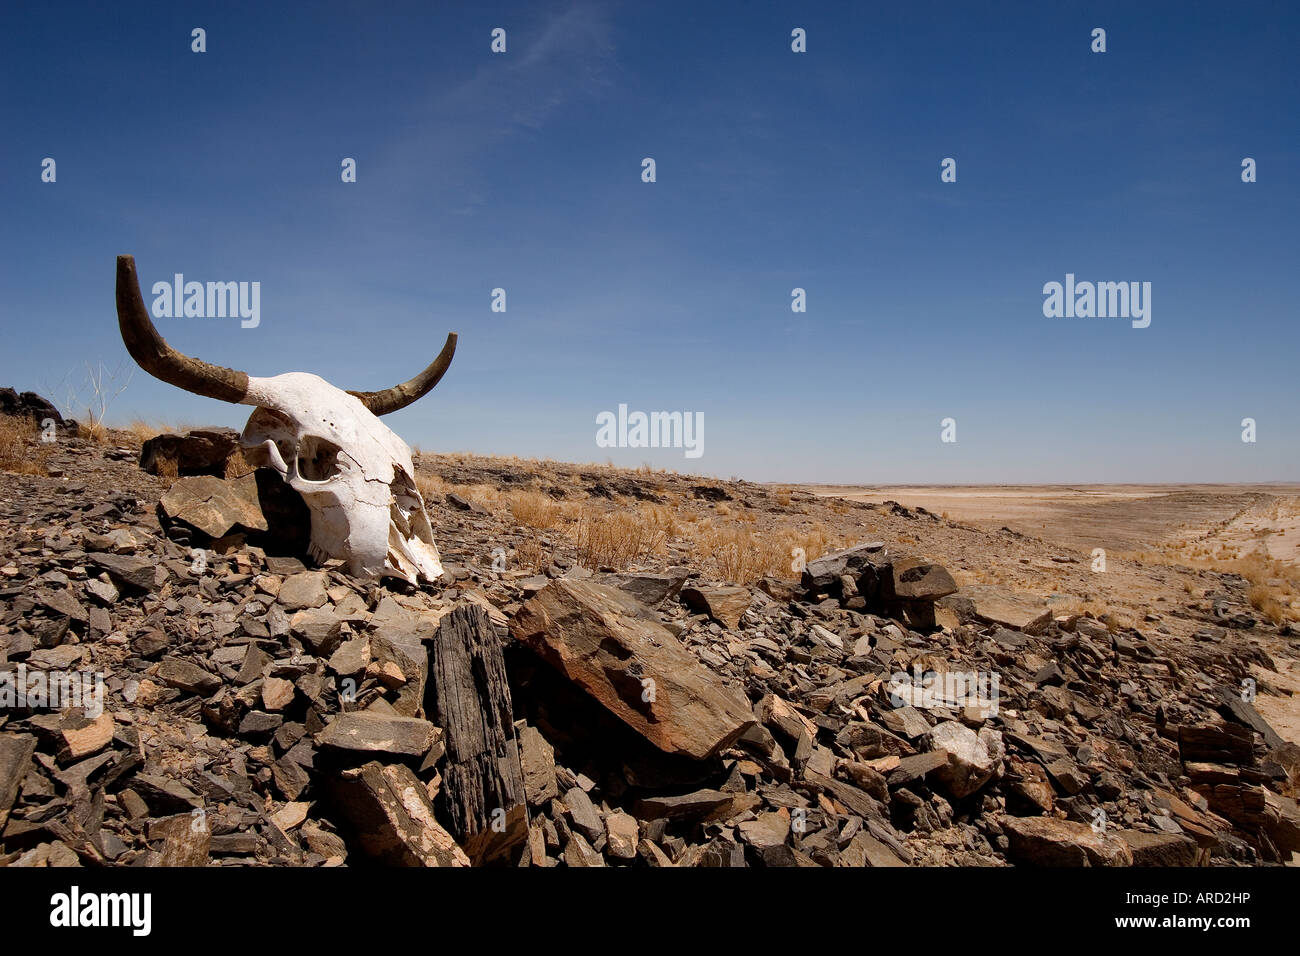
(329, 445)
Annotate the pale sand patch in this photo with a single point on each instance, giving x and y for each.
(1113, 517)
(1271, 526)
(1282, 713)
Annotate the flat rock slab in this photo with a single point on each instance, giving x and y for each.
(824, 572)
(164, 795)
(15, 757)
(582, 814)
(1222, 743)
(1234, 708)
(183, 675)
(215, 506)
(650, 589)
(726, 605)
(916, 767)
(390, 810)
(633, 666)
(916, 579)
(984, 604)
(62, 602)
(319, 627)
(1047, 841)
(537, 760)
(684, 806)
(906, 721)
(381, 733)
(131, 571)
(181, 842)
(765, 831)
(866, 850)
(1159, 849)
(81, 737)
(352, 657)
(63, 657)
(306, 589)
(622, 836)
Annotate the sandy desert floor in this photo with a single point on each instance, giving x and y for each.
(1115, 517)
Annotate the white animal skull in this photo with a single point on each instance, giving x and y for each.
(329, 445)
(352, 471)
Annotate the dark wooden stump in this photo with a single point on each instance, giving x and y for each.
(483, 784)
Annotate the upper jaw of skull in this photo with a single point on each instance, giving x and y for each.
(353, 472)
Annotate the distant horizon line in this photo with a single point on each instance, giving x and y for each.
(417, 449)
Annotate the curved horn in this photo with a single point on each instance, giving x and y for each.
(155, 356)
(399, 396)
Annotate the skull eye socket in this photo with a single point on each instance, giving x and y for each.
(318, 459)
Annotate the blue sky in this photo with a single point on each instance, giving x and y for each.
(774, 170)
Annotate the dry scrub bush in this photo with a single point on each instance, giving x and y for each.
(1274, 585)
(742, 555)
(430, 486)
(1263, 601)
(94, 431)
(530, 555)
(237, 465)
(20, 449)
(535, 509)
(141, 431)
(485, 496)
(616, 539)
(660, 518)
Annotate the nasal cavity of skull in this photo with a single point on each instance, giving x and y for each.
(318, 459)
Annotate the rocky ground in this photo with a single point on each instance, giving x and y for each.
(539, 706)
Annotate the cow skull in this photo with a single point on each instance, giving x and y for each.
(329, 445)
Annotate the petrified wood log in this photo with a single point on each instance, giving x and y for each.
(483, 785)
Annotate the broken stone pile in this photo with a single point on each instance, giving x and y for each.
(32, 407)
(260, 710)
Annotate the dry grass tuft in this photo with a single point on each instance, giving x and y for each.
(430, 486)
(141, 431)
(94, 431)
(741, 555)
(1262, 600)
(237, 466)
(21, 451)
(530, 555)
(616, 539)
(535, 510)
(1274, 585)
